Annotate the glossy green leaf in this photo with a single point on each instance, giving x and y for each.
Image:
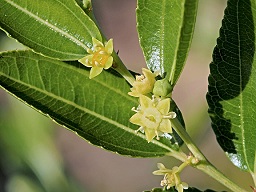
(98, 109)
(56, 28)
(165, 32)
(231, 96)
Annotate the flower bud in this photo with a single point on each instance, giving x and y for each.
(162, 88)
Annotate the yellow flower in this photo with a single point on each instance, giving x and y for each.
(153, 117)
(144, 83)
(171, 177)
(99, 57)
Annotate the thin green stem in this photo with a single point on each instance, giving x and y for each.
(209, 169)
(203, 164)
(183, 165)
(121, 69)
(187, 140)
(178, 155)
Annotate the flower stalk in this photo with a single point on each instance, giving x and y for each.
(119, 66)
(171, 177)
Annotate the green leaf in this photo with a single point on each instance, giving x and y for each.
(56, 28)
(232, 81)
(172, 189)
(165, 32)
(97, 110)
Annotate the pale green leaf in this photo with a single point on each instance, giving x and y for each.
(165, 32)
(56, 28)
(231, 96)
(98, 109)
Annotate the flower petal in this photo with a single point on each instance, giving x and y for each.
(109, 46)
(162, 170)
(165, 126)
(158, 172)
(144, 83)
(134, 93)
(136, 119)
(149, 76)
(145, 102)
(109, 62)
(97, 43)
(161, 166)
(150, 134)
(86, 61)
(95, 71)
(164, 106)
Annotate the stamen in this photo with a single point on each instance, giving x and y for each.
(140, 129)
(171, 115)
(157, 136)
(97, 63)
(135, 110)
(140, 77)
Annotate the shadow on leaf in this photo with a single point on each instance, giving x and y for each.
(231, 68)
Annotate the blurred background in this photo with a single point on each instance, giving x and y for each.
(37, 155)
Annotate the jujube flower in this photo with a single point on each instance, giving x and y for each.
(99, 57)
(144, 83)
(171, 177)
(153, 116)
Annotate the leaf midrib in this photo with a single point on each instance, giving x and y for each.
(79, 71)
(88, 111)
(174, 64)
(241, 88)
(68, 36)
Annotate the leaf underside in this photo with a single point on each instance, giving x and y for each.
(231, 95)
(97, 110)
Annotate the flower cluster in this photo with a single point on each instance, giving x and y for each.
(171, 177)
(99, 57)
(153, 114)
